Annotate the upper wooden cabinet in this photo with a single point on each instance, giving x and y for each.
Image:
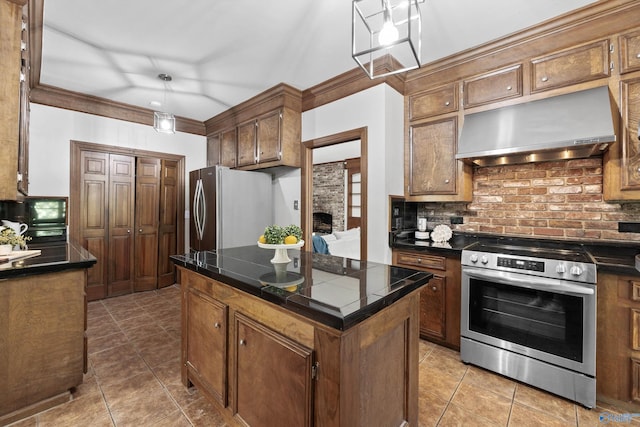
(433, 102)
(570, 66)
(10, 51)
(267, 131)
(432, 172)
(492, 87)
(629, 52)
(213, 149)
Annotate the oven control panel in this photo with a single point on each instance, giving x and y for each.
(520, 264)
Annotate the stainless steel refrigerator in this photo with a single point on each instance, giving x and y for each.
(229, 207)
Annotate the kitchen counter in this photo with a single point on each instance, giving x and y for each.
(335, 291)
(54, 257)
(609, 256)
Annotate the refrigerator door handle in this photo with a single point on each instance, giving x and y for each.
(203, 207)
(198, 206)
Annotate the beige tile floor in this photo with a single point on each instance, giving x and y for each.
(134, 380)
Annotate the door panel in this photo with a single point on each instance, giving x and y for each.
(94, 174)
(147, 220)
(168, 228)
(121, 223)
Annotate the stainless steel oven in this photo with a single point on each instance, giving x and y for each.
(529, 313)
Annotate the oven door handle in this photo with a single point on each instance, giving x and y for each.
(538, 283)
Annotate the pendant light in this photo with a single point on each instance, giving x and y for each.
(164, 122)
(386, 36)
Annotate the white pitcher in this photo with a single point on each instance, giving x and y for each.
(18, 227)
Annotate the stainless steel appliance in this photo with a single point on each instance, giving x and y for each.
(46, 217)
(229, 207)
(529, 313)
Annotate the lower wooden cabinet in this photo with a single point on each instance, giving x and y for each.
(262, 365)
(618, 340)
(440, 299)
(272, 376)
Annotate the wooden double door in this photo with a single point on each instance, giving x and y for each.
(125, 212)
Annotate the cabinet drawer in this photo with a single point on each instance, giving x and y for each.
(491, 87)
(629, 52)
(433, 102)
(424, 261)
(567, 67)
(433, 309)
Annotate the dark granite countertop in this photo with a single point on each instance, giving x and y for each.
(618, 257)
(54, 257)
(335, 291)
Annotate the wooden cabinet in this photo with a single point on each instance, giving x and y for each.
(269, 366)
(571, 66)
(431, 170)
(206, 338)
(433, 102)
(10, 28)
(629, 52)
(495, 86)
(621, 181)
(285, 371)
(262, 132)
(440, 299)
(618, 352)
(42, 335)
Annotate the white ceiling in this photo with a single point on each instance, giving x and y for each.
(222, 52)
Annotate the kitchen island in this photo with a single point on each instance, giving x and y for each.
(321, 340)
(42, 328)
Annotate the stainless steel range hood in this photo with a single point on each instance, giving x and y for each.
(571, 126)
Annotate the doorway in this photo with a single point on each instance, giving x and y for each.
(361, 176)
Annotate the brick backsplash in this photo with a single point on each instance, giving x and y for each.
(560, 199)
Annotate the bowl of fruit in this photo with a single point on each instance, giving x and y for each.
(281, 239)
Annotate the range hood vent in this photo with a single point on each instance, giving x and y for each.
(572, 126)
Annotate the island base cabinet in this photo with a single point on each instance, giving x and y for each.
(42, 341)
(272, 377)
(285, 369)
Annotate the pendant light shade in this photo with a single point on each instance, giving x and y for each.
(164, 122)
(386, 36)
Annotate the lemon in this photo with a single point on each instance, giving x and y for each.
(290, 240)
(261, 239)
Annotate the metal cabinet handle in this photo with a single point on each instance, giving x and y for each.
(216, 325)
(447, 103)
(446, 181)
(545, 78)
(509, 87)
(638, 56)
(243, 342)
(434, 289)
(419, 260)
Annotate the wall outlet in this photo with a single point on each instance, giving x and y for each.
(295, 205)
(456, 219)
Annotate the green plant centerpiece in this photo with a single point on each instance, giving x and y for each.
(291, 235)
(9, 237)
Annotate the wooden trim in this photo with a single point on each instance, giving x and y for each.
(18, 2)
(36, 19)
(66, 99)
(307, 182)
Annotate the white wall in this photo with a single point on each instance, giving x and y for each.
(380, 109)
(286, 190)
(51, 130)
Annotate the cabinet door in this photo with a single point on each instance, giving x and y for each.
(228, 148)
(207, 343)
(269, 137)
(432, 164)
(630, 109)
(272, 377)
(246, 144)
(121, 224)
(492, 87)
(213, 149)
(629, 52)
(147, 221)
(433, 102)
(576, 65)
(432, 308)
